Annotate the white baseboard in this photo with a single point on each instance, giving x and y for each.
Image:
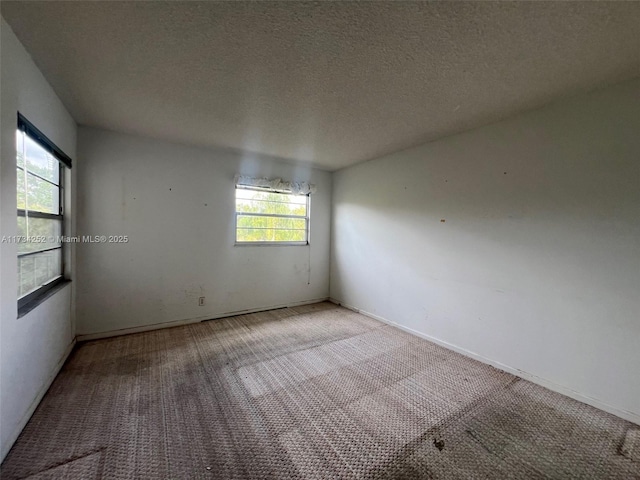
(630, 416)
(187, 321)
(36, 401)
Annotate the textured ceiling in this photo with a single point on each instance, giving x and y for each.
(327, 83)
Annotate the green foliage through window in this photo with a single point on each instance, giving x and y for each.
(39, 215)
(264, 216)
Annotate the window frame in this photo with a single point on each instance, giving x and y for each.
(27, 301)
(238, 243)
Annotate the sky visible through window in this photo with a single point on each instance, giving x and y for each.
(38, 180)
(267, 216)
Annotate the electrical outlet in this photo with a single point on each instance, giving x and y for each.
(201, 301)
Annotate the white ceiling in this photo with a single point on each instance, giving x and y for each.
(328, 83)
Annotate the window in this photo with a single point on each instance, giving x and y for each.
(265, 216)
(40, 190)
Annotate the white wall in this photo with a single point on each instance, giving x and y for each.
(33, 347)
(176, 204)
(537, 264)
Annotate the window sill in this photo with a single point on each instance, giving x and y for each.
(24, 309)
(271, 244)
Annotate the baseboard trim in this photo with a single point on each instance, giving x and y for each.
(629, 416)
(178, 323)
(36, 401)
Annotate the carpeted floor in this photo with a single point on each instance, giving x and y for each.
(307, 392)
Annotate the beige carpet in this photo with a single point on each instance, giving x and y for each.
(306, 392)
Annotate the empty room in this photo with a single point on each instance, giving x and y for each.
(336, 239)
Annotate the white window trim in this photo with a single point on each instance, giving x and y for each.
(33, 298)
(270, 244)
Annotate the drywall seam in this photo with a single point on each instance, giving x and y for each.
(178, 323)
(36, 401)
(630, 416)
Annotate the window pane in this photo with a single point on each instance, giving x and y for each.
(41, 195)
(266, 228)
(37, 270)
(20, 184)
(251, 201)
(19, 148)
(270, 235)
(264, 195)
(250, 221)
(43, 232)
(271, 207)
(40, 162)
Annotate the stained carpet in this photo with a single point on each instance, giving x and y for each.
(307, 392)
